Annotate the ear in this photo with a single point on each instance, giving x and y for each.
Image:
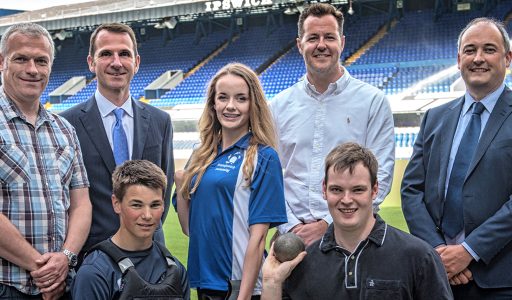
(299, 45)
(342, 40)
(137, 63)
(116, 204)
(1, 63)
(324, 189)
(508, 57)
(90, 62)
(375, 190)
(458, 61)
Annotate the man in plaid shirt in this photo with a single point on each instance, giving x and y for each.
(45, 209)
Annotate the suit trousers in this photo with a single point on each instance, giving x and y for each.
(472, 291)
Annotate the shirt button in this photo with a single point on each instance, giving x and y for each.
(353, 257)
(350, 273)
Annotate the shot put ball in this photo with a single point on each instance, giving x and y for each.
(288, 246)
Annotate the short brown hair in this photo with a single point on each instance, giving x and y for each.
(499, 25)
(347, 156)
(116, 28)
(320, 10)
(137, 172)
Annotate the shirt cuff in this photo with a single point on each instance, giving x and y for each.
(473, 253)
(328, 219)
(284, 228)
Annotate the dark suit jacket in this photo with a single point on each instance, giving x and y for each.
(487, 188)
(152, 141)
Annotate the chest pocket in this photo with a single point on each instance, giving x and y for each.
(64, 158)
(382, 289)
(14, 166)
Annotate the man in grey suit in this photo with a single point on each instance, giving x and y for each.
(457, 191)
(110, 113)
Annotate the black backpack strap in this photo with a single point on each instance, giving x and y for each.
(165, 252)
(114, 253)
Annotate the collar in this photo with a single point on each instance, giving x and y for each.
(242, 143)
(12, 111)
(488, 101)
(334, 87)
(106, 107)
(376, 236)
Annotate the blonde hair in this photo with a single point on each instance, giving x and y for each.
(210, 129)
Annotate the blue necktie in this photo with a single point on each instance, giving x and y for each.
(453, 216)
(119, 138)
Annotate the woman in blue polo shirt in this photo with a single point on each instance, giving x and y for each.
(232, 190)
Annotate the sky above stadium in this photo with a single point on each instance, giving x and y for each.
(35, 4)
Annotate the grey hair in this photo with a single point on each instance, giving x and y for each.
(29, 29)
(499, 25)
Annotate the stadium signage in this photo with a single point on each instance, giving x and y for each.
(233, 4)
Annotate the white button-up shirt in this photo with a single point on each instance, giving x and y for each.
(311, 124)
(106, 109)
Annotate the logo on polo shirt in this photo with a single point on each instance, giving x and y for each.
(229, 163)
(232, 158)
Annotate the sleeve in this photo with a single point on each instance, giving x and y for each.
(78, 173)
(381, 140)
(168, 165)
(290, 216)
(418, 218)
(432, 282)
(90, 283)
(293, 220)
(266, 204)
(490, 237)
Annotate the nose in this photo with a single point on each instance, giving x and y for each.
(146, 213)
(31, 67)
(231, 103)
(321, 43)
(116, 62)
(479, 56)
(345, 198)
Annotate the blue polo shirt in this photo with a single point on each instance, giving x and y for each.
(222, 209)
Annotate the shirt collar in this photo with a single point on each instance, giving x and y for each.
(334, 87)
(488, 101)
(12, 111)
(106, 107)
(242, 143)
(376, 236)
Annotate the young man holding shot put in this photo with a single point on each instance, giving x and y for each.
(360, 256)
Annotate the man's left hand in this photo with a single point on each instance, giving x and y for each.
(455, 259)
(55, 293)
(52, 272)
(311, 232)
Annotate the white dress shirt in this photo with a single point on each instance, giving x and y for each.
(311, 124)
(106, 109)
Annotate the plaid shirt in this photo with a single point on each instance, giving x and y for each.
(38, 167)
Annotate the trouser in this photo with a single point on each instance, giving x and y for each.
(205, 294)
(11, 293)
(472, 291)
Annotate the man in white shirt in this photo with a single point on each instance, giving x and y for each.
(326, 108)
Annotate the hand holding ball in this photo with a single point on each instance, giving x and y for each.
(287, 246)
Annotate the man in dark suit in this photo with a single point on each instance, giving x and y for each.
(111, 115)
(457, 191)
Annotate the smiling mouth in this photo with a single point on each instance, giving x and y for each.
(479, 70)
(30, 80)
(230, 116)
(146, 225)
(348, 210)
(116, 74)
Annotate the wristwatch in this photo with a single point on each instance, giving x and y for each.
(72, 258)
